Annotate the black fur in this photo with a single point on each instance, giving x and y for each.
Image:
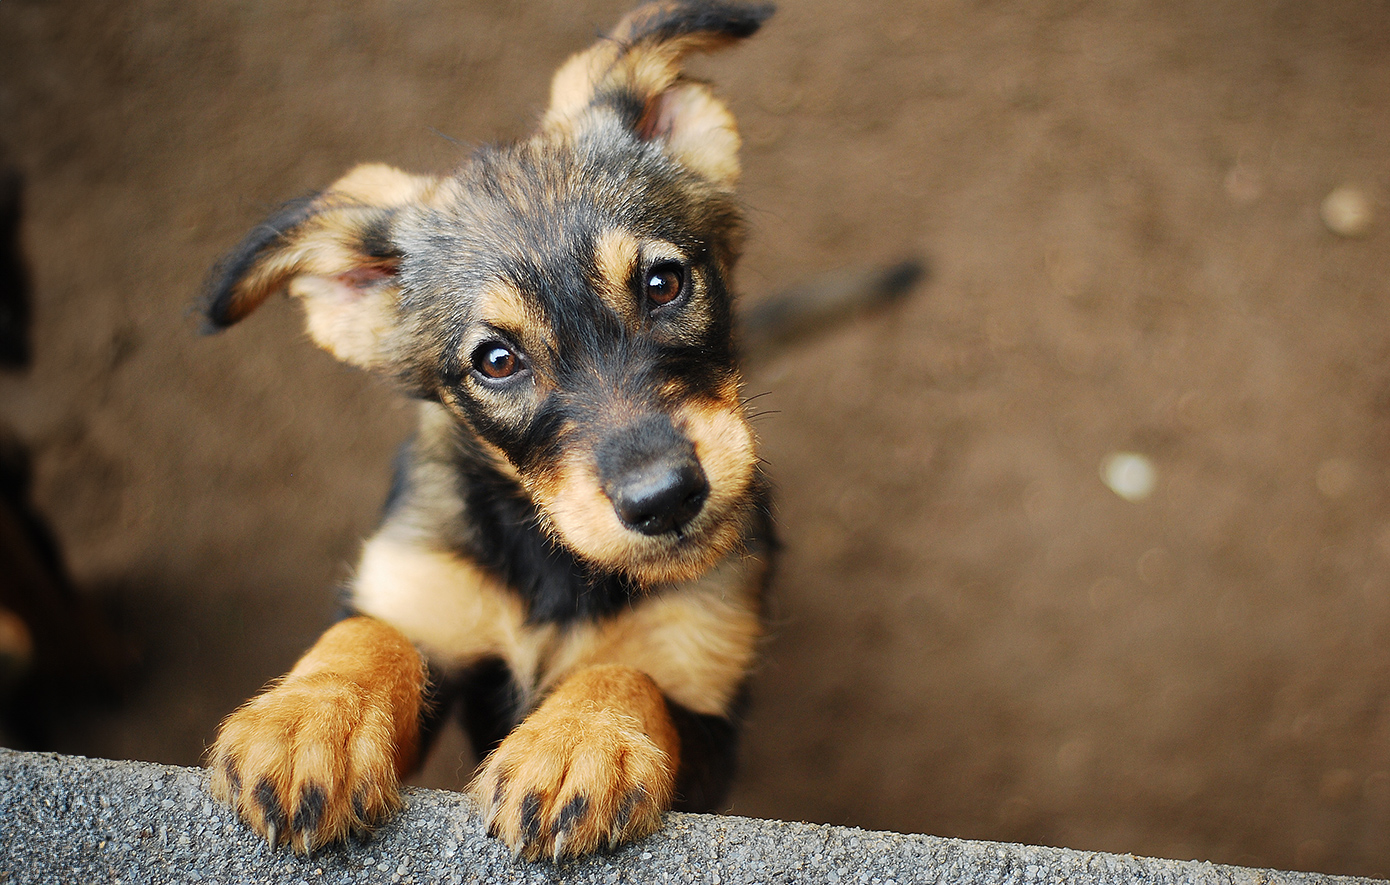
(557, 587)
(709, 757)
(484, 696)
(221, 284)
(376, 239)
(733, 19)
(491, 704)
(604, 458)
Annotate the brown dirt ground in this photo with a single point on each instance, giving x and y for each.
(973, 636)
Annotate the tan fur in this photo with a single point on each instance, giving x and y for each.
(447, 605)
(502, 306)
(697, 642)
(572, 498)
(344, 722)
(648, 67)
(376, 184)
(582, 515)
(324, 248)
(320, 753)
(724, 445)
(352, 322)
(572, 88)
(436, 499)
(706, 137)
(596, 763)
(616, 253)
(696, 126)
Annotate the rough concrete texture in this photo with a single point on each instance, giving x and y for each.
(67, 819)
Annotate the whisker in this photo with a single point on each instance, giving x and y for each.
(749, 399)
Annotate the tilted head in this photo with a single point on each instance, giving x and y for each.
(565, 298)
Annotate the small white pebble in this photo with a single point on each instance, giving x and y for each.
(1347, 212)
(1129, 475)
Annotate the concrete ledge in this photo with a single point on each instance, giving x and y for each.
(86, 821)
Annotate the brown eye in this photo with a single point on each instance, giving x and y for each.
(665, 281)
(496, 361)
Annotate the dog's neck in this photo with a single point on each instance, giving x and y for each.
(481, 513)
(511, 542)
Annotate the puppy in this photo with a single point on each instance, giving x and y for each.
(574, 551)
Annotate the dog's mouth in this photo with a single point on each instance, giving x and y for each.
(662, 499)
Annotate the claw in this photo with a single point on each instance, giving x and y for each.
(233, 782)
(270, 836)
(490, 818)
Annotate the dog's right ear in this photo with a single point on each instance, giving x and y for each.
(334, 252)
(637, 72)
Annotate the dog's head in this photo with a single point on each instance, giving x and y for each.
(565, 298)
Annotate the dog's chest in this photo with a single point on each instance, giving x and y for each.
(696, 640)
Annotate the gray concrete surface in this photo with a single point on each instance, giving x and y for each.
(67, 819)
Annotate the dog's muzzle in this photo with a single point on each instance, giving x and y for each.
(651, 474)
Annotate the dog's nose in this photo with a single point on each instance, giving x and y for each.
(650, 473)
(662, 497)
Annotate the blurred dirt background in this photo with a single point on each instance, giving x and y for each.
(973, 636)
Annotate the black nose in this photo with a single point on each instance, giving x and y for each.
(650, 473)
(662, 498)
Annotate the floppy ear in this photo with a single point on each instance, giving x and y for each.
(636, 72)
(332, 251)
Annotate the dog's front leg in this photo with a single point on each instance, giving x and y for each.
(594, 765)
(321, 752)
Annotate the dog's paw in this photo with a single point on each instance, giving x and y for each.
(308, 762)
(572, 779)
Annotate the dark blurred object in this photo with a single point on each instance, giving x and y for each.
(53, 646)
(824, 302)
(14, 277)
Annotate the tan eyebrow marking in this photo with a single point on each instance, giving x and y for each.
(501, 305)
(616, 253)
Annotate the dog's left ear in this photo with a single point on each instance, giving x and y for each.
(333, 252)
(636, 72)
